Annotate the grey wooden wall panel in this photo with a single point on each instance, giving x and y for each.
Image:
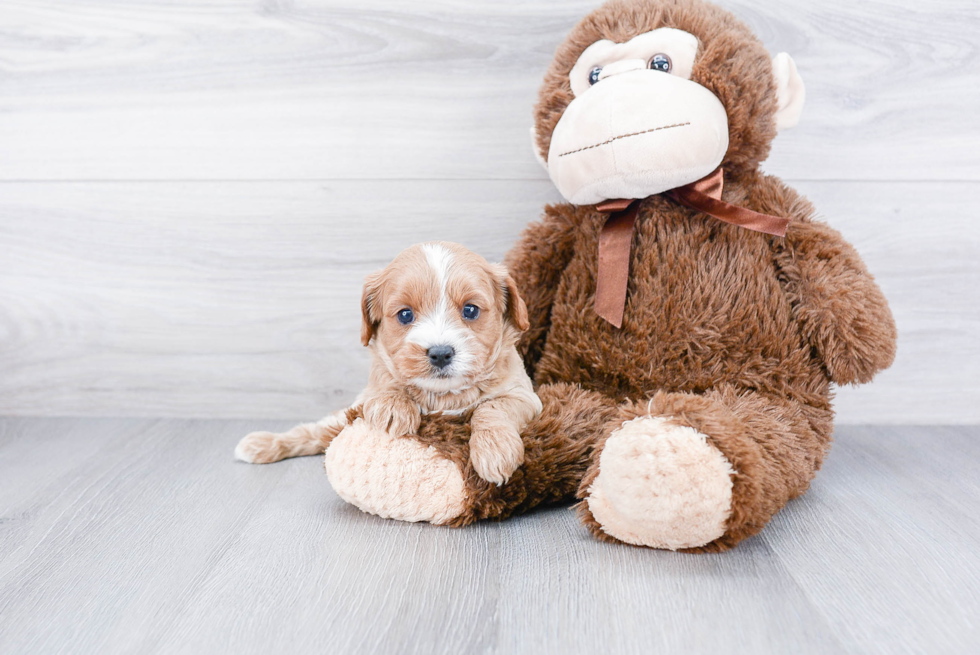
(194, 190)
(309, 90)
(241, 298)
(219, 299)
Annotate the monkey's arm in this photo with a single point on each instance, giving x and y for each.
(842, 312)
(536, 263)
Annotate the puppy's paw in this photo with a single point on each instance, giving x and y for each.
(393, 413)
(496, 453)
(259, 448)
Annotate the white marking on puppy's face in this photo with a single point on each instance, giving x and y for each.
(439, 315)
(439, 260)
(441, 327)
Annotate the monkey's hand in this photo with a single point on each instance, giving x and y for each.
(393, 412)
(841, 310)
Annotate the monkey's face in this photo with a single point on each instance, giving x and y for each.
(638, 125)
(629, 114)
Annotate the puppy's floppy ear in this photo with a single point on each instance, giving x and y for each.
(515, 309)
(371, 307)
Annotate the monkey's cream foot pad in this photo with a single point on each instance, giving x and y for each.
(661, 485)
(395, 478)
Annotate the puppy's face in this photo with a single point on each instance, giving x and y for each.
(439, 316)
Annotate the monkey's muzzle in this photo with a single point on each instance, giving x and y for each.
(634, 135)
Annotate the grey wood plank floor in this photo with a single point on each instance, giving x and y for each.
(143, 535)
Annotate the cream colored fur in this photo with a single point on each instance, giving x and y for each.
(790, 92)
(496, 447)
(659, 131)
(661, 485)
(305, 439)
(394, 478)
(435, 280)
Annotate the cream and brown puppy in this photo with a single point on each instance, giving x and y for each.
(441, 324)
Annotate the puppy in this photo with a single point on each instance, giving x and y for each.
(441, 324)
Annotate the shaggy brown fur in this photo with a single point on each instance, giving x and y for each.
(557, 450)
(734, 333)
(492, 385)
(731, 63)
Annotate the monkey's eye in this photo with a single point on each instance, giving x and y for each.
(471, 312)
(660, 62)
(594, 75)
(406, 316)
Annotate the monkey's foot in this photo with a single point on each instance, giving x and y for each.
(661, 485)
(398, 478)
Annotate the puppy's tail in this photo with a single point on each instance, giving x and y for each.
(305, 439)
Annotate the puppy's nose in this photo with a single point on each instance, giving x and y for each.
(441, 356)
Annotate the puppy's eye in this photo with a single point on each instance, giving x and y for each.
(660, 62)
(594, 75)
(471, 312)
(406, 316)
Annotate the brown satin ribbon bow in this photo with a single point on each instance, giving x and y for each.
(617, 235)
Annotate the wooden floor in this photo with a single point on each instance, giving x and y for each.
(136, 535)
(191, 194)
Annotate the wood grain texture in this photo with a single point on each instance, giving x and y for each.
(344, 132)
(213, 299)
(242, 299)
(902, 541)
(144, 536)
(235, 89)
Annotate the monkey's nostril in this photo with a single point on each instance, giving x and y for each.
(440, 356)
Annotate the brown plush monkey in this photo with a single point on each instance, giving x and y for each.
(684, 344)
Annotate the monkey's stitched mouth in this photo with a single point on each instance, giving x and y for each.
(624, 136)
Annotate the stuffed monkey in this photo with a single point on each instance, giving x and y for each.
(689, 315)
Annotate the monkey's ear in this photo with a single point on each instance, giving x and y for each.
(790, 92)
(370, 307)
(534, 148)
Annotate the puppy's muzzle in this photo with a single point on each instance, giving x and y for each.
(441, 356)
